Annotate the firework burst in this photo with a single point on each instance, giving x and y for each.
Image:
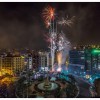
(67, 21)
(48, 15)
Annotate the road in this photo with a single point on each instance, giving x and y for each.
(83, 87)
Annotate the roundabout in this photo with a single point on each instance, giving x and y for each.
(46, 88)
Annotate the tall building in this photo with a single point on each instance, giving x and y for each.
(32, 59)
(77, 61)
(85, 60)
(44, 60)
(96, 61)
(88, 59)
(29, 61)
(77, 57)
(13, 62)
(35, 56)
(92, 57)
(18, 63)
(7, 62)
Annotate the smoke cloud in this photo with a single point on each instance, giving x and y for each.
(21, 24)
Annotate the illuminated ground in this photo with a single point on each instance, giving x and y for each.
(34, 89)
(7, 80)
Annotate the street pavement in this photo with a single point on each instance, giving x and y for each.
(83, 88)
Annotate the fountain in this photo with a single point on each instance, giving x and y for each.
(47, 85)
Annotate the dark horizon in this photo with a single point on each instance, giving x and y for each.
(22, 25)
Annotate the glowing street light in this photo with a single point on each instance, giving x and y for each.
(96, 51)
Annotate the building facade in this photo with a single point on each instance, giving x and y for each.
(18, 63)
(44, 60)
(35, 56)
(77, 61)
(29, 62)
(12, 62)
(84, 60)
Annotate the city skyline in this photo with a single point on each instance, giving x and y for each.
(49, 50)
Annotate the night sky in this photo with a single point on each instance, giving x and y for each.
(22, 25)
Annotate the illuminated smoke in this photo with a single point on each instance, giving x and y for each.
(58, 42)
(48, 15)
(59, 69)
(63, 49)
(59, 58)
(63, 42)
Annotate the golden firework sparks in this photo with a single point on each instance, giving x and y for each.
(48, 15)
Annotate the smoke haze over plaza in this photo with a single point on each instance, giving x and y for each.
(22, 25)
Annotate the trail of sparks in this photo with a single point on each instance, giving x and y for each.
(63, 42)
(57, 41)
